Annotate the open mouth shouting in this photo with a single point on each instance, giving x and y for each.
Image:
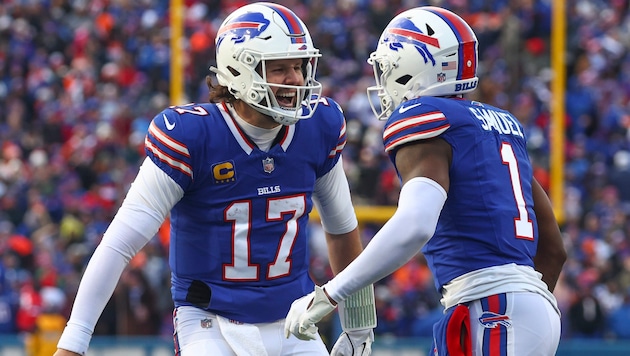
(286, 100)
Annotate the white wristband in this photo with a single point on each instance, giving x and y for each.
(75, 338)
(359, 310)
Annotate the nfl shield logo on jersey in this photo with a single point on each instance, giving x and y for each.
(441, 77)
(268, 165)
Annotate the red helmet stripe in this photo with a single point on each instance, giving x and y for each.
(420, 37)
(237, 25)
(292, 22)
(467, 54)
(467, 42)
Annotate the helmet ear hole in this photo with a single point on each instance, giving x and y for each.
(234, 72)
(403, 80)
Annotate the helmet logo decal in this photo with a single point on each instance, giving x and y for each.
(243, 28)
(404, 31)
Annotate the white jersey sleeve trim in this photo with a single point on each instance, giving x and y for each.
(151, 196)
(333, 202)
(403, 235)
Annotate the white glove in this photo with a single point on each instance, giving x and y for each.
(305, 313)
(354, 343)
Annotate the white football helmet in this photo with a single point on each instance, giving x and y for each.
(261, 32)
(425, 51)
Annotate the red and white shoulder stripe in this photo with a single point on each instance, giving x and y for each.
(341, 143)
(415, 128)
(170, 151)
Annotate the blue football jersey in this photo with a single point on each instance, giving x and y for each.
(239, 244)
(488, 217)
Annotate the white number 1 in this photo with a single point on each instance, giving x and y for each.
(241, 268)
(522, 224)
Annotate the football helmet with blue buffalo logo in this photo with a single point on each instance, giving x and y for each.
(261, 32)
(426, 51)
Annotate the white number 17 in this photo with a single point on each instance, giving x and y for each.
(240, 214)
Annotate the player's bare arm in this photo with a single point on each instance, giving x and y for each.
(343, 248)
(551, 254)
(430, 159)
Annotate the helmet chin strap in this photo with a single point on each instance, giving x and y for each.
(221, 77)
(414, 92)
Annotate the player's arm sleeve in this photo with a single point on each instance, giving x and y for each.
(150, 198)
(412, 225)
(332, 200)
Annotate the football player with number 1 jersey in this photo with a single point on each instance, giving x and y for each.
(239, 177)
(468, 201)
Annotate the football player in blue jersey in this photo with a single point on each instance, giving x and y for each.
(468, 201)
(239, 177)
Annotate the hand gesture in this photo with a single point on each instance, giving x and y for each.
(306, 312)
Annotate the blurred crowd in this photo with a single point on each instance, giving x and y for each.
(80, 81)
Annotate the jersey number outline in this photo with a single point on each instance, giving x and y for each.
(240, 214)
(523, 225)
(196, 110)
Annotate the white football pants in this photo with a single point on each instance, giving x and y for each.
(201, 333)
(517, 323)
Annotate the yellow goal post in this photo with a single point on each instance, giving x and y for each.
(367, 213)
